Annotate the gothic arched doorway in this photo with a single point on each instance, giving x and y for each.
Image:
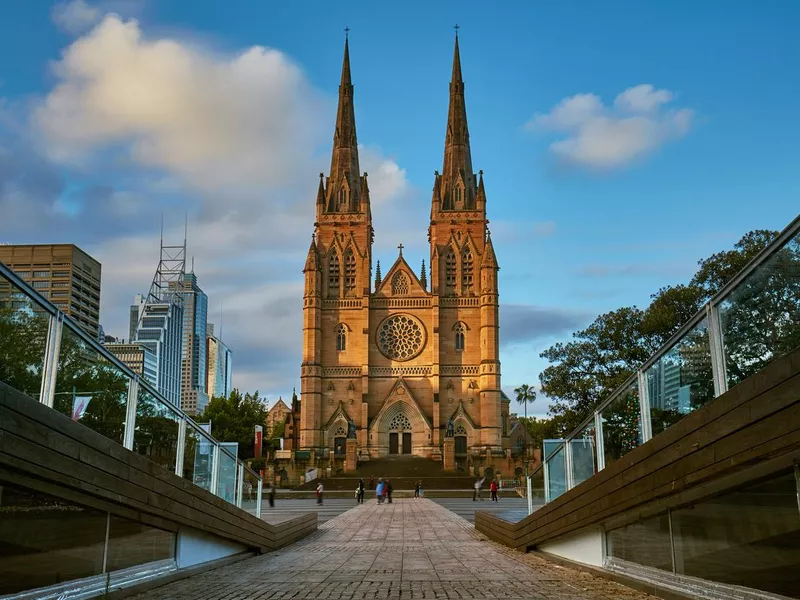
(461, 440)
(400, 435)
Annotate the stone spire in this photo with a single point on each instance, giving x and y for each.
(345, 174)
(457, 187)
(312, 258)
(423, 276)
(378, 275)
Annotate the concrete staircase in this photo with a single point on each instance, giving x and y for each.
(404, 472)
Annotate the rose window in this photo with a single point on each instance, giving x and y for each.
(401, 337)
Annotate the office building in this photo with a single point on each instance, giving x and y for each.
(219, 366)
(193, 360)
(138, 357)
(159, 320)
(62, 273)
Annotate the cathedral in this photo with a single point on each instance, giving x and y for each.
(402, 359)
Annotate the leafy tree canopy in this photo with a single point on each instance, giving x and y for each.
(233, 419)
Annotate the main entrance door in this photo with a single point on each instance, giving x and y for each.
(406, 442)
(393, 442)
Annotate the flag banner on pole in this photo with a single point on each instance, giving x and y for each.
(79, 404)
(258, 441)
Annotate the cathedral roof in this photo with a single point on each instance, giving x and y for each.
(400, 264)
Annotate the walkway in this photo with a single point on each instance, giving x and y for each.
(409, 549)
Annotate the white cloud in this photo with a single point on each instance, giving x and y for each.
(239, 122)
(159, 126)
(75, 16)
(602, 137)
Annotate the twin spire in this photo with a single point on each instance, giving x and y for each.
(456, 188)
(344, 184)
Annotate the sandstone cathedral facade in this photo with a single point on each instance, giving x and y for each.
(398, 361)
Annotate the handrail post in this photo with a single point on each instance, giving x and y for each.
(181, 447)
(50, 364)
(717, 348)
(644, 407)
(130, 412)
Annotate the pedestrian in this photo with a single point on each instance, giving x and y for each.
(493, 487)
(361, 491)
(320, 489)
(271, 496)
(372, 482)
(416, 490)
(379, 492)
(476, 495)
(389, 490)
(421, 491)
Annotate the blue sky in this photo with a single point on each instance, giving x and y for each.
(600, 189)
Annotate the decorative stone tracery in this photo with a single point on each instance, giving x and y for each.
(401, 337)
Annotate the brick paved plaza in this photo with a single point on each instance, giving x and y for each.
(408, 549)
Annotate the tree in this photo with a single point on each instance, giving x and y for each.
(763, 322)
(525, 395)
(233, 419)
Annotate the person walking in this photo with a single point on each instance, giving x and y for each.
(421, 491)
(271, 496)
(389, 490)
(361, 491)
(476, 495)
(379, 492)
(320, 489)
(493, 487)
(416, 490)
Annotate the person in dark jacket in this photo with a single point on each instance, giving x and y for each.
(361, 491)
(389, 491)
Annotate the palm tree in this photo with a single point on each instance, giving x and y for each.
(525, 395)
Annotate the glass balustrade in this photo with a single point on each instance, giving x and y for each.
(681, 380)
(760, 317)
(91, 386)
(89, 389)
(622, 424)
(23, 339)
(583, 449)
(751, 322)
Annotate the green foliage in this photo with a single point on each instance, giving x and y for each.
(525, 394)
(23, 335)
(601, 357)
(233, 419)
(278, 430)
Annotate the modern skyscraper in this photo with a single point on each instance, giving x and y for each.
(62, 273)
(219, 366)
(194, 362)
(160, 319)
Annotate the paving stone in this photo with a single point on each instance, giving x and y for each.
(408, 549)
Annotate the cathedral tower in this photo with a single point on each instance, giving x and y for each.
(338, 267)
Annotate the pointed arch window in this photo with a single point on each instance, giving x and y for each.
(399, 284)
(450, 268)
(341, 337)
(349, 271)
(467, 270)
(460, 334)
(343, 198)
(333, 274)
